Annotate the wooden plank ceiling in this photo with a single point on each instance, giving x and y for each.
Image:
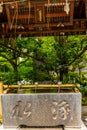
(42, 17)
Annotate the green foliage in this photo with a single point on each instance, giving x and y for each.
(13, 50)
(84, 101)
(83, 88)
(40, 59)
(26, 70)
(7, 77)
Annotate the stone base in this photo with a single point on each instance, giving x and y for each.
(83, 127)
(41, 129)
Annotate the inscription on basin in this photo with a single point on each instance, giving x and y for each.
(41, 110)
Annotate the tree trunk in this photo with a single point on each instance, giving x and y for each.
(16, 77)
(61, 74)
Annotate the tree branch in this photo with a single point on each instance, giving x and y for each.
(22, 53)
(23, 61)
(79, 55)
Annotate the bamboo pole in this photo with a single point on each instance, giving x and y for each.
(42, 85)
(1, 91)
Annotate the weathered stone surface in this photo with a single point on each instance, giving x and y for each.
(41, 129)
(41, 110)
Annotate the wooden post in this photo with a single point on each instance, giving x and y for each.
(1, 91)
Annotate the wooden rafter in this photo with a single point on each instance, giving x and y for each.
(44, 17)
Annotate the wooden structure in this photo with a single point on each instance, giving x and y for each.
(42, 17)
